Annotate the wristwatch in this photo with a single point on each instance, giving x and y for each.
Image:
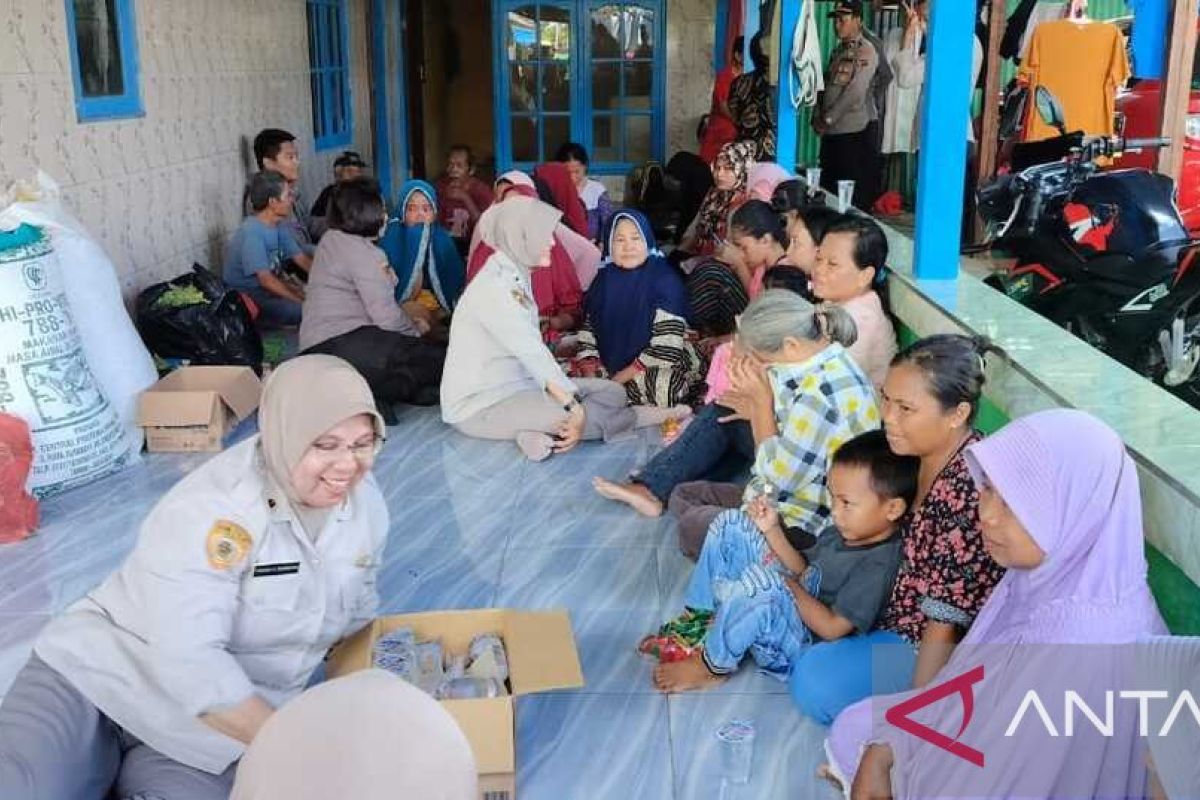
(576, 400)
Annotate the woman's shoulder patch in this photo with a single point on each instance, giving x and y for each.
(227, 544)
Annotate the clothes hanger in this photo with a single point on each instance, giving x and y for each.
(1077, 12)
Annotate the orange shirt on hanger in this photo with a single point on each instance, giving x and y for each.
(1083, 64)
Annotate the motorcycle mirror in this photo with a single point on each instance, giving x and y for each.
(1050, 110)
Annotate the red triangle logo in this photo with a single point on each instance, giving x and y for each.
(900, 715)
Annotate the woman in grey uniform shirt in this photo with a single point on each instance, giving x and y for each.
(243, 576)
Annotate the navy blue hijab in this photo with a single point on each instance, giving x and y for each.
(621, 303)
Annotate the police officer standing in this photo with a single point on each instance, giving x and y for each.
(843, 117)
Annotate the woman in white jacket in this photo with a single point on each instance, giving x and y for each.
(500, 381)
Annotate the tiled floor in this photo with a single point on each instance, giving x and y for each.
(473, 525)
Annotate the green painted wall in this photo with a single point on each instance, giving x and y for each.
(1177, 596)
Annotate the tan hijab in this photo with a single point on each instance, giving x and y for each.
(520, 228)
(368, 736)
(303, 399)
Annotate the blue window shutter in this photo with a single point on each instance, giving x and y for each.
(333, 123)
(126, 104)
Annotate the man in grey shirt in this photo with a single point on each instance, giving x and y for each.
(843, 119)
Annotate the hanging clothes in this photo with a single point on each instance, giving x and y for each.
(1083, 64)
(899, 122)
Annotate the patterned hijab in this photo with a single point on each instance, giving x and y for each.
(713, 218)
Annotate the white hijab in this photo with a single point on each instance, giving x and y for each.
(367, 736)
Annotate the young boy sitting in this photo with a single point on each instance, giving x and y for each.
(257, 251)
(462, 198)
(772, 609)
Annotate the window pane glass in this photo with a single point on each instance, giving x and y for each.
(637, 138)
(638, 81)
(98, 47)
(555, 34)
(606, 86)
(639, 32)
(556, 87)
(318, 128)
(622, 31)
(557, 132)
(522, 87)
(605, 144)
(524, 139)
(606, 32)
(522, 34)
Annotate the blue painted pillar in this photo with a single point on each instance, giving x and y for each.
(720, 48)
(787, 117)
(379, 77)
(1150, 37)
(943, 160)
(750, 26)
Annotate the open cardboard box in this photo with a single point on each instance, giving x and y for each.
(541, 657)
(193, 408)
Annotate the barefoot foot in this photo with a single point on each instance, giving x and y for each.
(634, 495)
(686, 675)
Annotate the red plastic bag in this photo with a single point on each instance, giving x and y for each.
(889, 204)
(18, 509)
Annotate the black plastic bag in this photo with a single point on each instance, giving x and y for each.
(215, 331)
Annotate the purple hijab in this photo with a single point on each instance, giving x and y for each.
(1068, 480)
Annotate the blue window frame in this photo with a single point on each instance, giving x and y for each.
(329, 65)
(104, 59)
(580, 70)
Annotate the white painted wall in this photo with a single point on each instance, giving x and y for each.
(165, 190)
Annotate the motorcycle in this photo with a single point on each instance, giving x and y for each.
(1104, 254)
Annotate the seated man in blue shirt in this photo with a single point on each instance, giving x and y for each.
(255, 256)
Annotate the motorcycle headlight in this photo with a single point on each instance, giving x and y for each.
(1193, 127)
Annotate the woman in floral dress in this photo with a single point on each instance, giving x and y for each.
(930, 401)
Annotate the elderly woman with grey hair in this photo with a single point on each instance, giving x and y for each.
(796, 395)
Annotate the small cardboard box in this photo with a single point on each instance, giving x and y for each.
(541, 657)
(193, 408)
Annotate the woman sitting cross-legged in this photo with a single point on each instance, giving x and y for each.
(429, 270)
(795, 396)
(1060, 508)
(636, 328)
(350, 309)
(500, 381)
(717, 294)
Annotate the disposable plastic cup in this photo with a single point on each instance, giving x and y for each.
(736, 739)
(845, 196)
(812, 176)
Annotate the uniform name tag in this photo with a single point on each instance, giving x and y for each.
(282, 568)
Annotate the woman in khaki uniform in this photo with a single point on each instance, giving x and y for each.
(244, 575)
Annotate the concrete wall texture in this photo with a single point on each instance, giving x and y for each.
(690, 30)
(164, 190)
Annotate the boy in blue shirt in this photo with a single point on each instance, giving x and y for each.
(255, 255)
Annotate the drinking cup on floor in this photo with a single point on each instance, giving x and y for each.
(736, 739)
(845, 196)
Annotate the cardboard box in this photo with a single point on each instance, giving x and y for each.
(193, 408)
(541, 657)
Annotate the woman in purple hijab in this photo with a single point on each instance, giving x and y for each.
(1060, 508)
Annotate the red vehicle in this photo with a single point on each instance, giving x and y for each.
(1141, 103)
